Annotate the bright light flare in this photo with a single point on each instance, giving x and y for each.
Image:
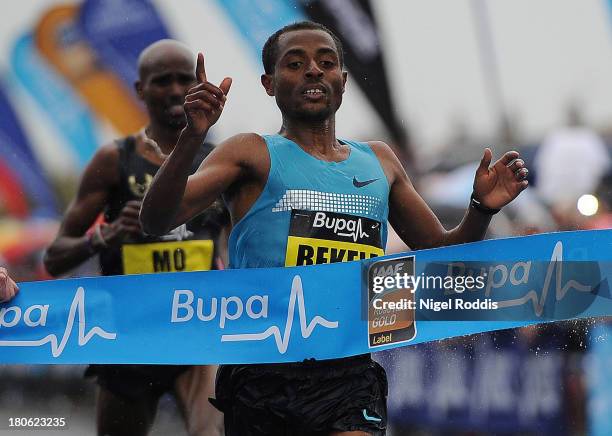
(588, 205)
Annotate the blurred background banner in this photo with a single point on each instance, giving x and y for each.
(11, 192)
(119, 30)
(54, 31)
(598, 369)
(451, 388)
(257, 20)
(23, 175)
(61, 39)
(56, 99)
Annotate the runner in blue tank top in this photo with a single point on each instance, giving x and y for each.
(304, 197)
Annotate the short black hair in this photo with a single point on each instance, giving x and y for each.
(270, 51)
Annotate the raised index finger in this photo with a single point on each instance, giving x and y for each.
(200, 71)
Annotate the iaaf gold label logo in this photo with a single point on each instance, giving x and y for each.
(391, 309)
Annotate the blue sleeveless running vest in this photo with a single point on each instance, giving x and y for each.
(311, 211)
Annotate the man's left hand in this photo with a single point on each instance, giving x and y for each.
(498, 185)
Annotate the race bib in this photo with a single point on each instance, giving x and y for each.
(327, 237)
(168, 257)
(391, 310)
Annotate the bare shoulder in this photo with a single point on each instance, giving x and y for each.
(103, 169)
(244, 142)
(381, 149)
(108, 154)
(246, 149)
(388, 159)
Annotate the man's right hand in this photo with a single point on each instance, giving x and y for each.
(204, 102)
(126, 225)
(8, 288)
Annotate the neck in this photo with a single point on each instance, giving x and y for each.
(165, 137)
(318, 138)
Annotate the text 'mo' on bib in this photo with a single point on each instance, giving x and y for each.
(176, 256)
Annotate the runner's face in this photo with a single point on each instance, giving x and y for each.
(308, 80)
(164, 88)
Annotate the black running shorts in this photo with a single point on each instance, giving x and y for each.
(308, 398)
(136, 381)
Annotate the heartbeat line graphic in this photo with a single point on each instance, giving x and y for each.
(357, 234)
(556, 265)
(78, 303)
(282, 341)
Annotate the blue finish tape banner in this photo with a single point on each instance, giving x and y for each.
(324, 311)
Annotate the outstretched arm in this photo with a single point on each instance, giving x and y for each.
(494, 187)
(174, 197)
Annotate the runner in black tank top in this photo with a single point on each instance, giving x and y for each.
(112, 187)
(136, 173)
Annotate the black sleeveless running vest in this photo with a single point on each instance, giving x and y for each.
(135, 175)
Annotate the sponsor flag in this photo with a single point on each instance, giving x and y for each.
(60, 40)
(21, 171)
(119, 30)
(55, 98)
(256, 20)
(11, 193)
